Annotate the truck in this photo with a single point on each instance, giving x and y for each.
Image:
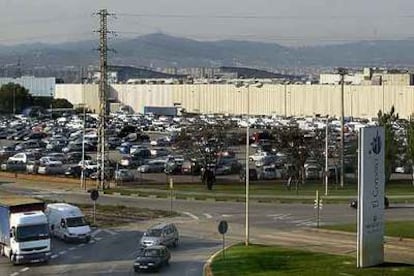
(24, 232)
(68, 223)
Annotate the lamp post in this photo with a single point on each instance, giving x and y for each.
(246, 241)
(14, 100)
(342, 72)
(247, 175)
(83, 186)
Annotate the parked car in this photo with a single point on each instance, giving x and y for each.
(76, 171)
(153, 166)
(51, 168)
(252, 175)
(124, 175)
(76, 157)
(269, 172)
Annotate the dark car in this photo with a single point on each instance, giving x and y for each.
(152, 258)
(76, 156)
(252, 175)
(354, 203)
(76, 171)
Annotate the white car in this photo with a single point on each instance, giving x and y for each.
(258, 156)
(89, 164)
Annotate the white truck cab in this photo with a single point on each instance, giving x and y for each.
(67, 222)
(24, 233)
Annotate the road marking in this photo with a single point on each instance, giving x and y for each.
(24, 269)
(191, 215)
(98, 238)
(208, 215)
(113, 233)
(62, 252)
(54, 256)
(279, 216)
(81, 245)
(72, 248)
(14, 274)
(96, 232)
(226, 216)
(91, 241)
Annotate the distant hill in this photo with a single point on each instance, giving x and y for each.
(159, 50)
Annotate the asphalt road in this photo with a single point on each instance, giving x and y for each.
(112, 252)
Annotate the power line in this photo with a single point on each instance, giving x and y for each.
(259, 17)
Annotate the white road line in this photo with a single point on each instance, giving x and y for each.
(72, 248)
(54, 256)
(226, 216)
(98, 238)
(191, 215)
(62, 252)
(96, 232)
(91, 241)
(14, 274)
(208, 215)
(81, 245)
(24, 269)
(113, 233)
(279, 216)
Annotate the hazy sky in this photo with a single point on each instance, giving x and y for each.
(288, 22)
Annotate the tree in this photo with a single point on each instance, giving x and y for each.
(410, 145)
(387, 120)
(204, 142)
(14, 97)
(300, 145)
(61, 103)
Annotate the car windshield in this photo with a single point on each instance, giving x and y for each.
(75, 222)
(151, 253)
(153, 233)
(32, 232)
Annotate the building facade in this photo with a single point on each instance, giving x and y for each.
(269, 99)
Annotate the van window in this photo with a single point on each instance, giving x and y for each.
(76, 222)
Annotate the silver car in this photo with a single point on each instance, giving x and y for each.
(160, 234)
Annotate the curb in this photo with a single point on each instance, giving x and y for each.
(206, 268)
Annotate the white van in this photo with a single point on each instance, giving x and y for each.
(67, 222)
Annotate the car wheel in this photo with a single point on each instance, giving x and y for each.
(175, 243)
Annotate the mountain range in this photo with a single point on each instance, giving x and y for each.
(160, 50)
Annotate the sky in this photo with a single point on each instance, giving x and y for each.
(292, 22)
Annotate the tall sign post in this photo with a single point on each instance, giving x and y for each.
(371, 179)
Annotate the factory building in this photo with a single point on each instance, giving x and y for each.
(362, 101)
(44, 87)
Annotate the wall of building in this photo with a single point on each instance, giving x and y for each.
(37, 86)
(289, 100)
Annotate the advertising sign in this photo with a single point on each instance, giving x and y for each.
(370, 224)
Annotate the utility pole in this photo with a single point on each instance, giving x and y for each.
(342, 72)
(103, 98)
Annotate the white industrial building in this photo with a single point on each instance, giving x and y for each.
(269, 99)
(44, 87)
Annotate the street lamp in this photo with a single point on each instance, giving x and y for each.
(342, 72)
(247, 176)
(14, 100)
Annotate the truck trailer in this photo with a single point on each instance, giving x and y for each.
(24, 232)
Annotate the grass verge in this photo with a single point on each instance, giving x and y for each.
(278, 261)
(392, 228)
